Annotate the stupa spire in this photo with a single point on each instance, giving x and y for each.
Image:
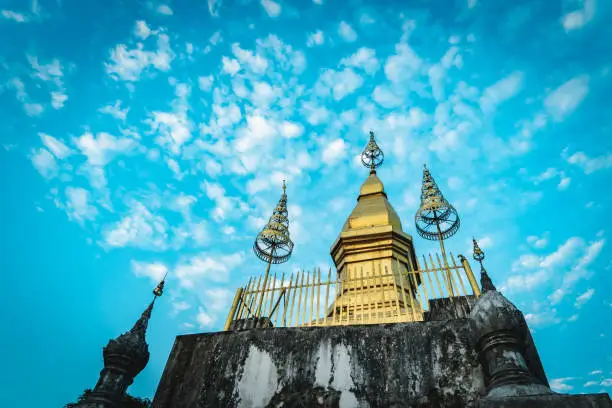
(436, 218)
(124, 358)
(485, 281)
(372, 156)
(273, 244)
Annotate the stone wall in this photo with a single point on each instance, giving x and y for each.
(424, 364)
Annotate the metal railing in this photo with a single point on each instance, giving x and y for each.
(356, 296)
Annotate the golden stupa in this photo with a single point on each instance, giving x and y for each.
(379, 278)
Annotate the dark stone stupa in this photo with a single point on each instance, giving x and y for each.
(124, 358)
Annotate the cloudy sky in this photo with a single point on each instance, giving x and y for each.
(141, 137)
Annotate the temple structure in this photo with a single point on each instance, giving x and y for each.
(124, 358)
(384, 329)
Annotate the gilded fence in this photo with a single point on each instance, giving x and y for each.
(378, 295)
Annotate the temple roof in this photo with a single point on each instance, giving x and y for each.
(372, 209)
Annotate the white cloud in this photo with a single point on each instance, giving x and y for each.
(142, 30)
(563, 254)
(584, 298)
(550, 173)
(103, 147)
(272, 8)
(501, 91)
(403, 65)
(559, 384)
(129, 64)
(567, 97)
(291, 130)
(140, 229)
(596, 372)
(45, 163)
(578, 271)
(155, 271)
(204, 319)
(455, 183)
(214, 6)
(115, 110)
(173, 129)
(225, 207)
(34, 14)
(78, 205)
(527, 281)
(164, 9)
(579, 18)
(346, 32)
(205, 83)
(58, 148)
(31, 108)
(316, 38)
(17, 17)
(228, 230)
(284, 56)
(387, 97)
(58, 99)
(590, 165)
(334, 151)
(180, 306)
(254, 61)
(542, 318)
(364, 58)
(341, 83)
(218, 299)
(538, 242)
(205, 267)
(230, 65)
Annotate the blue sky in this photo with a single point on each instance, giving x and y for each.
(142, 137)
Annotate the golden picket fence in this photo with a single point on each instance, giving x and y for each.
(308, 299)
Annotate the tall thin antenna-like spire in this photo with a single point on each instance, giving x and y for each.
(436, 218)
(273, 244)
(485, 281)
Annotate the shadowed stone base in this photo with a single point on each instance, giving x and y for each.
(417, 365)
(548, 401)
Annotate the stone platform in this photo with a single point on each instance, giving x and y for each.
(424, 364)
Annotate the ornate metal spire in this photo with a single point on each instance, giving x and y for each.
(436, 218)
(372, 156)
(273, 244)
(485, 281)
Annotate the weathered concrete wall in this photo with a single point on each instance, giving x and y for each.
(425, 364)
(446, 308)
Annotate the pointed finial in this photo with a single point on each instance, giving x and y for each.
(436, 218)
(273, 243)
(485, 281)
(372, 156)
(159, 289)
(478, 253)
